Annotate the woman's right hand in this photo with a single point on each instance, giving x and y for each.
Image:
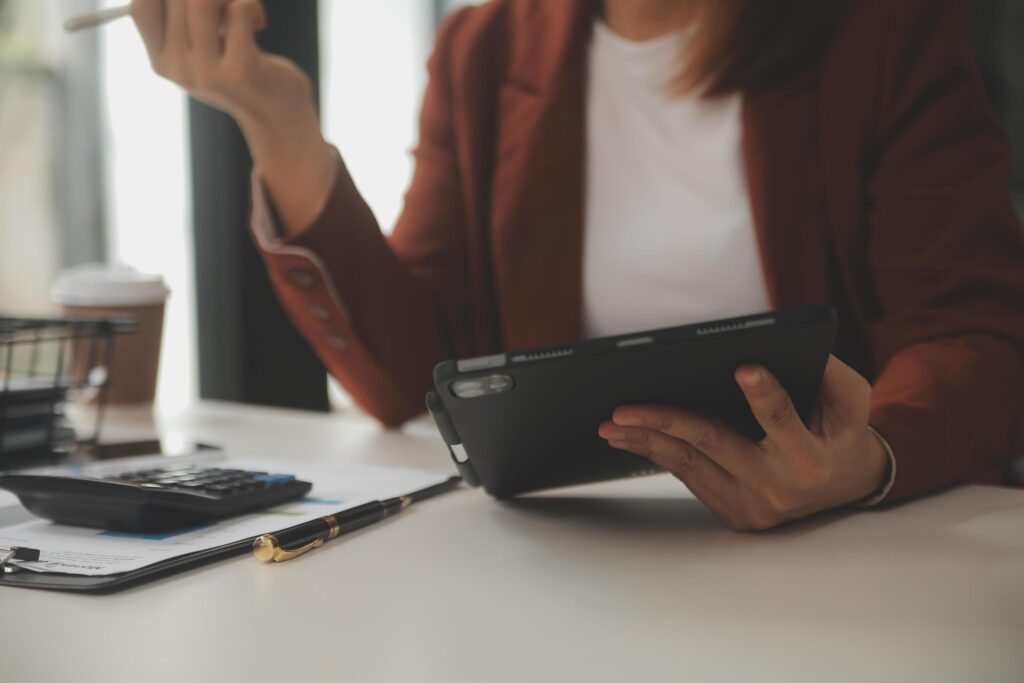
(209, 48)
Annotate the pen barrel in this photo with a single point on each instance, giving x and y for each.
(303, 533)
(355, 523)
(297, 540)
(339, 523)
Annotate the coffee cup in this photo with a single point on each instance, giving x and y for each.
(119, 292)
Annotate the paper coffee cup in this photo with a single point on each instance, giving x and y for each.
(119, 291)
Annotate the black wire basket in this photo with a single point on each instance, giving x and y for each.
(44, 363)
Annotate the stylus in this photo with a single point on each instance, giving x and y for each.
(97, 18)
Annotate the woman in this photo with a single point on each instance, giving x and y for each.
(592, 167)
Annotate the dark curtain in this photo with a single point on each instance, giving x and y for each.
(998, 34)
(249, 351)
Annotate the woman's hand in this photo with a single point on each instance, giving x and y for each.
(209, 48)
(793, 472)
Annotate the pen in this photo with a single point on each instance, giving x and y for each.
(300, 539)
(94, 19)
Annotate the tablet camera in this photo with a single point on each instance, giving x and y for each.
(482, 386)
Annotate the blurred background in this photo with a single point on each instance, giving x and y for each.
(102, 161)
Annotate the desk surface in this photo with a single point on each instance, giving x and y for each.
(623, 581)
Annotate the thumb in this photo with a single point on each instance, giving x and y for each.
(772, 406)
(845, 394)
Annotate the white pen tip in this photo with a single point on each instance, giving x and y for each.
(94, 19)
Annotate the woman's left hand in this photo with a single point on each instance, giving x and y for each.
(794, 471)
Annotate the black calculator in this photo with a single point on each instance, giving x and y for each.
(152, 500)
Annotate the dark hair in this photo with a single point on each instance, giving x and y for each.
(756, 44)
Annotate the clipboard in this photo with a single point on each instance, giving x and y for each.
(426, 485)
(116, 582)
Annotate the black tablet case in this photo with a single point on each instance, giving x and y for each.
(543, 432)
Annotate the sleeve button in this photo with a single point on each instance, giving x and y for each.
(337, 342)
(302, 277)
(319, 313)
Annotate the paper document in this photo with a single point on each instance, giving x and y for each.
(92, 552)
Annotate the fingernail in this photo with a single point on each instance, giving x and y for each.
(615, 434)
(628, 420)
(751, 377)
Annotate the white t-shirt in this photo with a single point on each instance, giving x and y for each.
(669, 237)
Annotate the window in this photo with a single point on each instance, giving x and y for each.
(373, 72)
(147, 181)
(93, 167)
(373, 63)
(51, 211)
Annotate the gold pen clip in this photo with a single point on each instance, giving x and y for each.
(266, 548)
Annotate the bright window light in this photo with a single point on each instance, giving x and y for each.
(149, 198)
(373, 73)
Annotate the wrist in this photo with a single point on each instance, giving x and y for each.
(294, 163)
(882, 492)
(281, 135)
(877, 466)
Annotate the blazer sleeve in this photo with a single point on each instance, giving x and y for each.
(946, 257)
(381, 312)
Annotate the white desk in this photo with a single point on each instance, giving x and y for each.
(625, 581)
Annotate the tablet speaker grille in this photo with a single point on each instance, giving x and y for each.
(732, 327)
(559, 352)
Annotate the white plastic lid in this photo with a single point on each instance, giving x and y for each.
(97, 284)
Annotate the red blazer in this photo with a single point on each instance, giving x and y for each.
(878, 180)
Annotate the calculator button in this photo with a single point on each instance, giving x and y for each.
(274, 479)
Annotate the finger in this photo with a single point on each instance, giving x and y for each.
(722, 508)
(772, 407)
(725, 447)
(708, 482)
(244, 18)
(175, 28)
(845, 394)
(204, 20)
(148, 16)
(675, 455)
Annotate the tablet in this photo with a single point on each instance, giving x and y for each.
(527, 420)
